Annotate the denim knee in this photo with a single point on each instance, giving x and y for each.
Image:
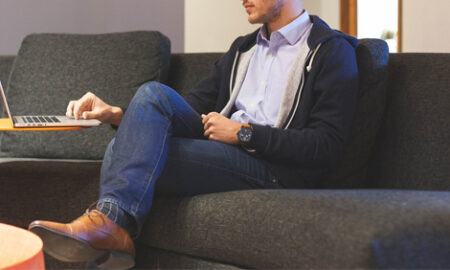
(154, 88)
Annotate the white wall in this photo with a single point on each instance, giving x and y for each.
(328, 10)
(212, 25)
(195, 25)
(426, 25)
(21, 17)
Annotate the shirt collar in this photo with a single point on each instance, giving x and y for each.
(291, 32)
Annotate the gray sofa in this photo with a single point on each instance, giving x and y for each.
(386, 205)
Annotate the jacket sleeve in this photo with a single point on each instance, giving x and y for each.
(320, 142)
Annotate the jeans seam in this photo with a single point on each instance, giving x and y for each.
(177, 112)
(166, 95)
(116, 202)
(150, 181)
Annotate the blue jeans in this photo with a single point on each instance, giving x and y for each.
(159, 147)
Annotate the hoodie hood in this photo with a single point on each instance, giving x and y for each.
(321, 33)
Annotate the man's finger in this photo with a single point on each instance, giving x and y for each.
(76, 109)
(69, 110)
(82, 105)
(208, 123)
(90, 115)
(205, 118)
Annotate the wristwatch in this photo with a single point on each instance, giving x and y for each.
(245, 134)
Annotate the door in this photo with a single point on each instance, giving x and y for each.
(373, 19)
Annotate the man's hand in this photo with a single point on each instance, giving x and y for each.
(219, 128)
(91, 107)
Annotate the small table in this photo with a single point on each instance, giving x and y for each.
(20, 249)
(6, 125)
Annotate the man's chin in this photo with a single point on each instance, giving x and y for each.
(253, 20)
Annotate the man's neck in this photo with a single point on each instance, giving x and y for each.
(287, 15)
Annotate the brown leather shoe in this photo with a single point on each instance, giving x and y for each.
(91, 237)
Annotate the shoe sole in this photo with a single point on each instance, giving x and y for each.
(68, 249)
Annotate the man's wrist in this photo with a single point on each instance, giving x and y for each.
(116, 115)
(245, 134)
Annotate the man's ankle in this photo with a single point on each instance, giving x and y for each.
(118, 216)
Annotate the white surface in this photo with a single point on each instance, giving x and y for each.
(328, 10)
(370, 25)
(195, 25)
(212, 25)
(426, 25)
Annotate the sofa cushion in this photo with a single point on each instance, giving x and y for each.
(412, 151)
(307, 229)
(188, 69)
(57, 190)
(52, 69)
(372, 56)
(152, 258)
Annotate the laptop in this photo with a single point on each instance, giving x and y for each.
(46, 120)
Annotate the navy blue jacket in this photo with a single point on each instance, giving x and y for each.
(312, 141)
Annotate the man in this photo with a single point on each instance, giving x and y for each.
(274, 113)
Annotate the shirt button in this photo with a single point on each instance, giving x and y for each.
(270, 55)
(263, 83)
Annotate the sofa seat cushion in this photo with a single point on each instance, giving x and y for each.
(308, 229)
(52, 69)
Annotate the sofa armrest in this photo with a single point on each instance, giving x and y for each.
(6, 63)
(306, 228)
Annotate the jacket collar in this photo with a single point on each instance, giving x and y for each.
(320, 33)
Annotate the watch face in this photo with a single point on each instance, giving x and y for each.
(245, 134)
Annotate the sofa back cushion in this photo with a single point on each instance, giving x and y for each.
(372, 56)
(52, 69)
(6, 62)
(188, 69)
(412, 151)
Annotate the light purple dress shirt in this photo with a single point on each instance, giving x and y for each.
(259, 99)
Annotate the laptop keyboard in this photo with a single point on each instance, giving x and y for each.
(40, 119)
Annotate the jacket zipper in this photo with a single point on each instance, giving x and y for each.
(233, 73)
(302, 85)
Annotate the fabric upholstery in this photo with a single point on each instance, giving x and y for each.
(52, 69)
(311, 229)
(412, 151)
(372, 56)
(151, 258)
(287, 228)
(48, 190)
(186, 70)
(6, 63)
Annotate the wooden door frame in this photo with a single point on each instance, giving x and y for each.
(349, 17)
(349, 20)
